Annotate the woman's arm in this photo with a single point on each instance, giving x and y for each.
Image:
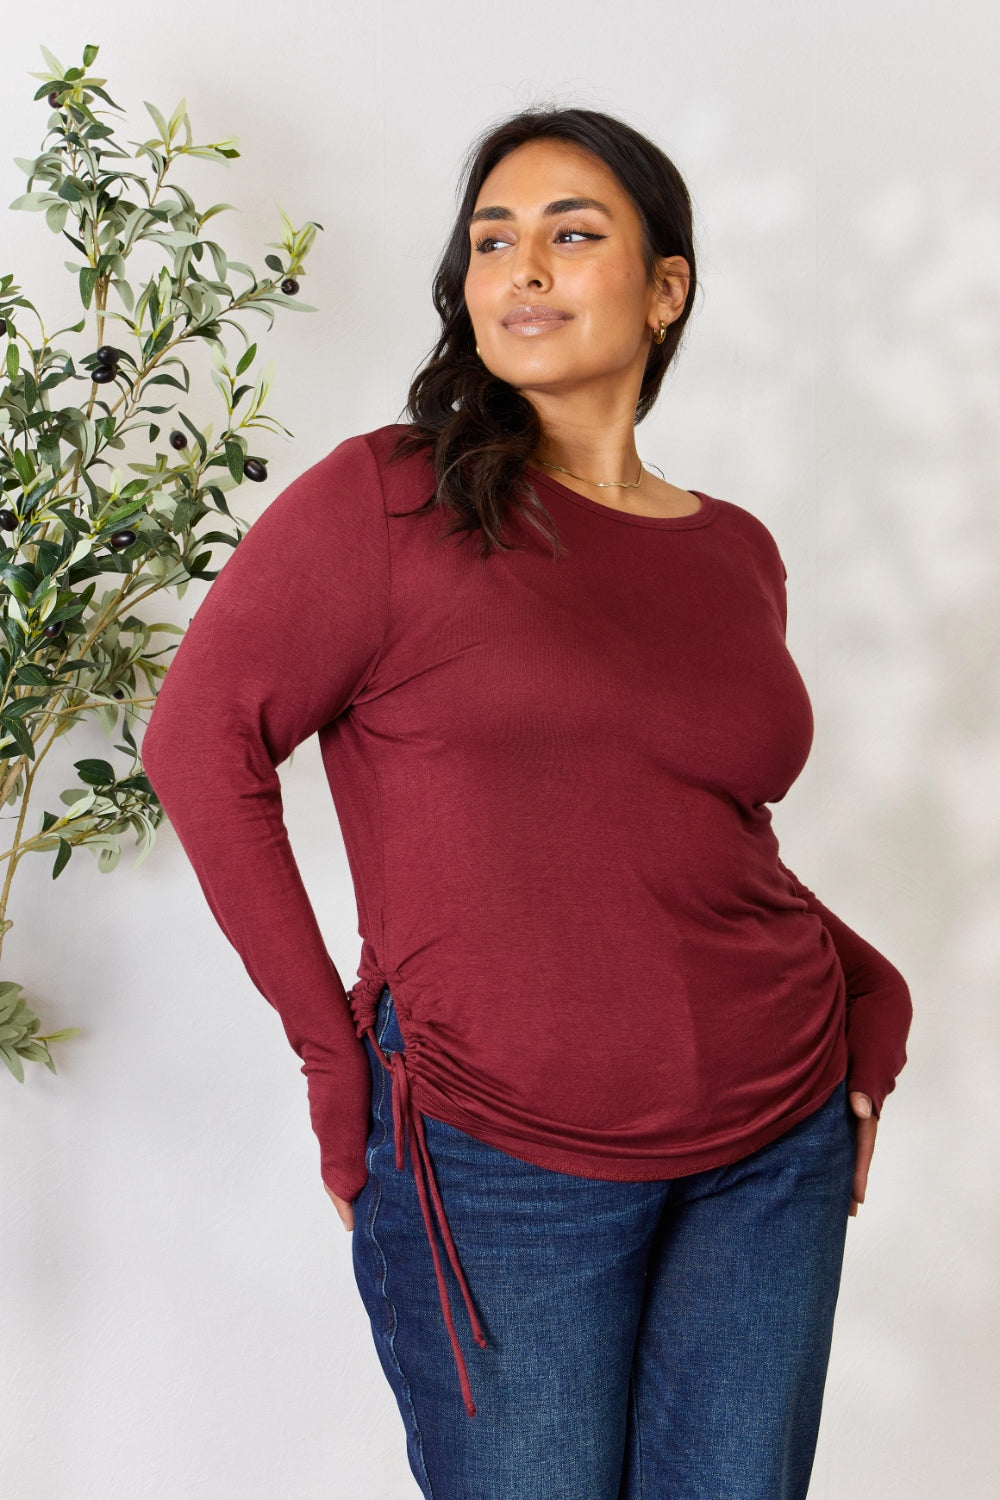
(288, 632)
(879, 1009)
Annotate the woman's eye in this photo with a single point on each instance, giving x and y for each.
(482, 245)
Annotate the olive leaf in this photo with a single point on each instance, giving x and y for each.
(81, 544)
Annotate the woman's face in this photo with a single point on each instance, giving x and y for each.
(580, 267)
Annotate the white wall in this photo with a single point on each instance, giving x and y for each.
(179, 1313)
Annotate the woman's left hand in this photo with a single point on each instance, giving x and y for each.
(866, 1128)
(344, 1208)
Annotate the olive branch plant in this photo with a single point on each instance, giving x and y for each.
(81, 545)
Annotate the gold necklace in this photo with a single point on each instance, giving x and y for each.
(601, 484)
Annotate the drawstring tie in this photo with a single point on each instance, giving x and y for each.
(408, 1122)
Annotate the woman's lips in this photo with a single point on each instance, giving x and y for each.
(535, 323)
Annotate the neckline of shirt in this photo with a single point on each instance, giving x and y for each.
(702, 517)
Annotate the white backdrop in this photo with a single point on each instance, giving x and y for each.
(178, 1307)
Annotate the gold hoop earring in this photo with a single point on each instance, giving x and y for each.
(477, 351)
(661, 335)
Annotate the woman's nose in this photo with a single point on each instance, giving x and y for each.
(528, 266)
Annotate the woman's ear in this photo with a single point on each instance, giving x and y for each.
(673, 278)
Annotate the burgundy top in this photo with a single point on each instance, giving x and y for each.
(552, 778)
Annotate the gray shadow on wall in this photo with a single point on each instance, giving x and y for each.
(908, 750)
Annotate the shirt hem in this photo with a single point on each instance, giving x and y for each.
(609, 1167)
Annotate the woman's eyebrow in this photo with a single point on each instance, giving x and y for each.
(559, 206)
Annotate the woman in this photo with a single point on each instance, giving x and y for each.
(610, 1074)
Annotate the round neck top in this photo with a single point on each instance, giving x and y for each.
(552, 777)
(702, 517)
(552, 780)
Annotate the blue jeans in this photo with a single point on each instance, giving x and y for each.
(663, 1340)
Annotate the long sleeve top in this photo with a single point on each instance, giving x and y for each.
(552, 777)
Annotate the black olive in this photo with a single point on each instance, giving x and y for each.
(118, 693)
(177, 440)
(101, 374)
(8, 519)
(254, 469)
(122, 539)
(107, 354)
(54, 99)
(3, 325)
(52, 630)
(289, 286)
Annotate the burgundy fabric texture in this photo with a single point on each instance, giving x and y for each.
(552, 776)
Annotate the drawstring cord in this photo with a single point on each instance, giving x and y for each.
(408, 1122)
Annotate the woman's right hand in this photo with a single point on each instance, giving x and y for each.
(343, 1207)
(866, 1126)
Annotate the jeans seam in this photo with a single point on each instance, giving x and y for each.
(638, 1440)
(393, 1321)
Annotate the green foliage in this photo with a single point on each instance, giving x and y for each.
(76, 419)
(19, 1033)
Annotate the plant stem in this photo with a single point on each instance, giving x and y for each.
(14, 854)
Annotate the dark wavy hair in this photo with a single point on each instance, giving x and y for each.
(479, 429)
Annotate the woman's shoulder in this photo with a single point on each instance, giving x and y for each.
(382, 443)
(378, 452)
(744, 521)
(735, 524)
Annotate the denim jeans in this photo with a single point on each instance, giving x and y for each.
(663, 1340)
